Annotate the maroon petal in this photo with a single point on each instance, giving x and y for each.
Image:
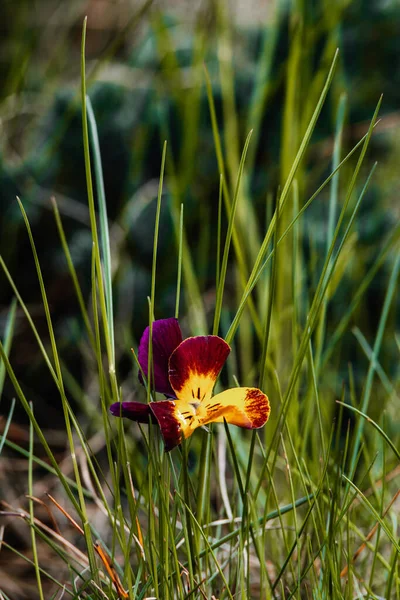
(166, 337)
(170, 421)
(136, 411)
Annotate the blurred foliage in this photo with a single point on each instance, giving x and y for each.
(146, 84)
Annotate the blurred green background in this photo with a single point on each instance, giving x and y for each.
(146, 81)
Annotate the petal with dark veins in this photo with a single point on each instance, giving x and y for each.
(244, 407)
(195, 365)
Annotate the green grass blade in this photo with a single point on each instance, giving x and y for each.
(209, 550)
(333, 207)
(60, 384)
(73, 272)
(179, 276)
(104, 231)
(31, 512)
(269, 517)
(224, 265)
(375, 425)
(93, 224)
(282, 200)
(389, 388)
(376, 515)
(156, 228)
(392, 287)
(8, 336)
(3, 437)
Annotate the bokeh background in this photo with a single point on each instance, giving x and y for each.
(147, 83)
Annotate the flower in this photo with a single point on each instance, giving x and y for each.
(186, 372)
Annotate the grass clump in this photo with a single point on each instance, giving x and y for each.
(306, 506)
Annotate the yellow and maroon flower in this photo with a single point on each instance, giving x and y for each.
(186, 372)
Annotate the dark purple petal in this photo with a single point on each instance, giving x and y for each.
(167, 336)
(136, 411)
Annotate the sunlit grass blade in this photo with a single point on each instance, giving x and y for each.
(93, 223)
(156, 229)
(316, 305)
(267, 327)
(282, 200)
(228, 237)
(333, 208)
(179, 276)
(104, 231)
(246, 215)
(226, 193)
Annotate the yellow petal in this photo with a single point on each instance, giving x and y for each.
(244, 407)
